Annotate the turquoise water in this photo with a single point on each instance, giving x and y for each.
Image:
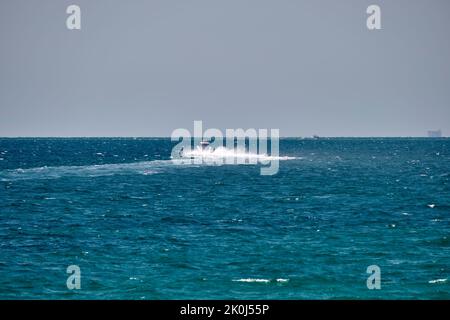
(141, 227)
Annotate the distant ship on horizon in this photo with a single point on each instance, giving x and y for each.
(434, 133)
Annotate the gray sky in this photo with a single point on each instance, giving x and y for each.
(145, 68)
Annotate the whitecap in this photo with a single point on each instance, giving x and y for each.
(143, 167)
(253, 280)
(396, 261)
(437, 281)
(149, 172)
(325, 196)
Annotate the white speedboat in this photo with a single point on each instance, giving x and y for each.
(204, 144)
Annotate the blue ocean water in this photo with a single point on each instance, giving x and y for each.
(141, 227)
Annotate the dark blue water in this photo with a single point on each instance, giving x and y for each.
(141, 227)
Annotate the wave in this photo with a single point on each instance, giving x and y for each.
(437, 281)
(250, 280)
(143, 167)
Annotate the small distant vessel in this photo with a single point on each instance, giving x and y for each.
(435, 134)
(316, 136)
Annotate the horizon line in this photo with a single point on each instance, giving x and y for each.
(168, 137)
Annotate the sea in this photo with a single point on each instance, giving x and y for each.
(137, 225)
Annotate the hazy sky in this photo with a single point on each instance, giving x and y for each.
(145, 68)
